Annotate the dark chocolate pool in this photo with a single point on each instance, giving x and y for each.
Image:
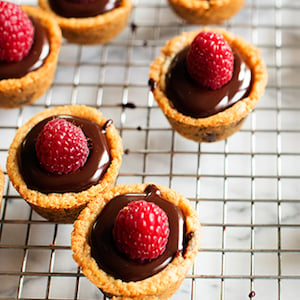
(90, 174)
(196, 101)
(82, 9)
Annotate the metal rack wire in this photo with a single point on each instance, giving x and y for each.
(246, 189)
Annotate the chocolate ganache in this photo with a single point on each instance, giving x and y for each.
(196, 101)
(82, 9)
(33, 60)
(104, 250)
(90, 174)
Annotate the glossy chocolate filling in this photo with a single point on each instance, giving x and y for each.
(196, 101)
(109, 259)
(33, 60)
(82, 9)
(90, 174)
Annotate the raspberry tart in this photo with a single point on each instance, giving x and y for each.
(89, 21)
(30, 42)
(136, 241)
(205, 11)
(62, 158)
(207, 82)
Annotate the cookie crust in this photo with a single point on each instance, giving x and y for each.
(94, 30)
(17, 92)
(223, 124)
(160, 286)
(205, 11)
(64, 207)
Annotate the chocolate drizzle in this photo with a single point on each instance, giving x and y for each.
(152, 84)
(130, 105)
(252, 294)
(78, 9)
(108, 123)
(103, 248)
(196, 101)
(133, 27)
(33, 60)
(90, 174)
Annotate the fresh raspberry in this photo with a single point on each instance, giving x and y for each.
(17, 31)
(141, 230)
(61, 147)
(210, 60)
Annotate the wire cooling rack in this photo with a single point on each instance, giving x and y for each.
(246, 189)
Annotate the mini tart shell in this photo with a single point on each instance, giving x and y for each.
(2, 181)
(223, 124)
(205, 11)
(64, 207)
(93, 30)
(17, 92)
(159, 286)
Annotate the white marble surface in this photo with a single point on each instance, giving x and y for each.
(246, 189)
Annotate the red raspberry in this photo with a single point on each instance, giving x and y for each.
(61, 147)
(17, 31)
(141, 230)
(210, 60)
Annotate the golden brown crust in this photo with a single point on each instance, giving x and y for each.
(64, 207)
(204, 11)
(94, 30)
(25, 90)
(157, 287)
(2, 181)
(221, 125)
